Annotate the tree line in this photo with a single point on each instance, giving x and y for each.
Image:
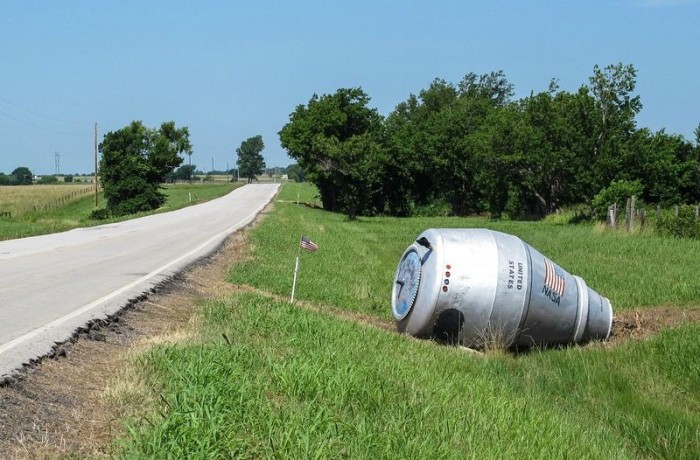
(471, 148)
(20, 176)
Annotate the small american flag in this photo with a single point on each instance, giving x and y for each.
(307, 244)
(553, 278)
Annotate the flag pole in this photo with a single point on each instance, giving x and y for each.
(296, 270)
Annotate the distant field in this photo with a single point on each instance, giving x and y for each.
(21, 199)
(41, 209)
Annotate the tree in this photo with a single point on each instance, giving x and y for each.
(666, 165)
(336, 139)
(48, 180)
(250, 160)
(184, 173)
(166, 147)
(614, 120)
(554, 150)
(296, 173)
(22, 176)
(135, 160)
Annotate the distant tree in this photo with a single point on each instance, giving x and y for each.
(296, 173)
(5, 179)
(250, 160)
(22, 176)
(68, 178)
(184, 172)
(135, 160)
(45, 180)
(336, 139)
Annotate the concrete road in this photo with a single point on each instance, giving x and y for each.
(51, 285)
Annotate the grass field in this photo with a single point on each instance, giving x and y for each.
(22, 199)
(264, 379)
(41, 209)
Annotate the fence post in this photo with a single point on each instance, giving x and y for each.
(612, 215)
(630, 213)
(697, 212)
(675, 211)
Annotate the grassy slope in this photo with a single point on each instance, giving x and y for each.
(76, 213)
(265, 379)
(356, 265)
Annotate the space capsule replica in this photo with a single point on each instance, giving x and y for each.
(473, 285)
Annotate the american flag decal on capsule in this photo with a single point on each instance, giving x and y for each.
(553, 277)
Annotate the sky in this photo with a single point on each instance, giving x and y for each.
(230, 70)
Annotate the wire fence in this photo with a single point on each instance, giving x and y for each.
(48, 205)
(633, 217)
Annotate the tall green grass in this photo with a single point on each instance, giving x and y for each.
(269, 380)
(265, 379)
(357, 259)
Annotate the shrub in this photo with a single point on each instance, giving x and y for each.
(47, 180)
(684, 226)
(100, 214)
(616, 192)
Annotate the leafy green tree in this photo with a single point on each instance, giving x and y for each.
(337, 140)
(250, 160)
(665, 164)
(616, 108)
(553, 150)
(68, 178)
(296, 173)
(431, 159)
(22, 176)
(135, 160)
(468, 148)
(166, 146)
(462, 161)
(5, 179)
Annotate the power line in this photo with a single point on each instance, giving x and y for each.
(42, 128)
(38, 114)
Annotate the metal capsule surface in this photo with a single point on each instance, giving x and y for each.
(477, 285)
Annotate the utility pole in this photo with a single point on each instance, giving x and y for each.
(96, 165)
